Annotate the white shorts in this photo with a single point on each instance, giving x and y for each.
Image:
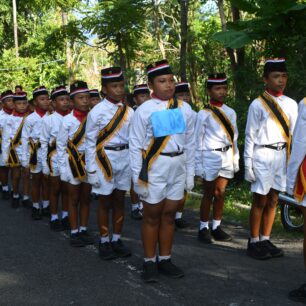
(167, 178)
(121, 179)
(2, 163)
(216, 163)
(54, 164)
(72, 180)
(38, 167)
(270, 170)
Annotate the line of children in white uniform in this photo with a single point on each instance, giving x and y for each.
(159, 148)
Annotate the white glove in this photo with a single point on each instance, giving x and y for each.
(141, 190)
(249, 175)
(236, 166)
(290, 190)
(93, 179)
(189, 184)
(46, 170)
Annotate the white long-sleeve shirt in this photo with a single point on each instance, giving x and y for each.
(98, 118)
(3, 117)
(141, 133)
(298, 146)
(9, 131)
(69, 126)
(31, 129)
(261, 128)
(210, 135)
(49, 132)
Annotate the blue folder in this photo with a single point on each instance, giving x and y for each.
(168, 122)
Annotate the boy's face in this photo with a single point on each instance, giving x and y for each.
(21, 106)
(114, 90)
(163, 86)
(141, 98)
(94, 101)
(184, 96)
(81, 101)
(276, 81)
(61, 103)
(8, 103)
(42, 102)
(218, 92)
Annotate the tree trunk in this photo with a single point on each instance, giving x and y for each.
(68, 49)
(15, 28)
(120, 50)
(157, 13)
(184, 32)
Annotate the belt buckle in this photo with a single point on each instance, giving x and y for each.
(279, 148)
(117, 148)
(223, 149)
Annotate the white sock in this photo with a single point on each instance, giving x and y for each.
(204, 225)
(36, 205)
(178, 215)
(104, 239)
(135, 206)
(64, 214)
(140, 205)
(5, 188)
(254, 240)
(116, 237)
(54, 217)
(45, 204)
(74, 231)
(83, 228)
(215, 224)
(153, 259)
(263, 238)
(160, 258)
(16, 196)
(25, 197)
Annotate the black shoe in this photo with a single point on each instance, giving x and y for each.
(6, 195)
(86, 238)
(56, 226)
(15, 203)
(76, 241)
(220, 235)
(169, 269)
(274, 251)
(258, 250)
(106, 251)
(46, 212)
(136, 214)
(36, 213)
(120, 249)
(298, 295)
(66, 224)
(150, 272)
(204, 236)
(181, 223)
(27, 203)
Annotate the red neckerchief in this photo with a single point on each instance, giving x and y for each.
(80, 115)
(40, 111)
(274, 93)
(112, 100)
(63, 113)
(216, 103)
(8, 111)
(16, 114)
(154, 96)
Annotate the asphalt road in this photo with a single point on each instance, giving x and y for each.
(38, 267)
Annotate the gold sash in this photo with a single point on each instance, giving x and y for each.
(106, 134)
